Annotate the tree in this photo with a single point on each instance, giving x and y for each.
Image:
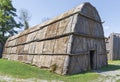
(8, 24)
(25, 17)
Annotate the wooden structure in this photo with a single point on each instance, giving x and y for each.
(113, 46)
(71, 43)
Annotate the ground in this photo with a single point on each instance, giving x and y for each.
(11, 71)
(109, 76)
(11, 79)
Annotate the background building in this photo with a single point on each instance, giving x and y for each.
(113, 46)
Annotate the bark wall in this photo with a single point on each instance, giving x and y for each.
(113, 47)
(43, 46)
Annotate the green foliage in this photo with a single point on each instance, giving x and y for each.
(7, 20)
(8, 25)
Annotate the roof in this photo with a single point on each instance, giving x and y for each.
(80, 9)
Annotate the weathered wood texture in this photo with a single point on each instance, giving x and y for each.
(113, 46)
(72, 42)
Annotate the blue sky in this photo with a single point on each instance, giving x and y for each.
(109, 10)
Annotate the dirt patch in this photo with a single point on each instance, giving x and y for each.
(11, 79)
(109, 76)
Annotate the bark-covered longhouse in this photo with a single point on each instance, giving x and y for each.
(113, 46)
(72, 42)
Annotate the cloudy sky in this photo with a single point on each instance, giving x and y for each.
(109, 10)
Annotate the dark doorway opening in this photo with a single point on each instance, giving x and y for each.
(92, 59)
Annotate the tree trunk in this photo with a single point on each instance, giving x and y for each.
(2, 45)
(1, 49)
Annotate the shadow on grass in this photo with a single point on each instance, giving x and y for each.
(110, 67)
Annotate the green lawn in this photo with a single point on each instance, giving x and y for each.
(115, 62)
(21, 70)
(118, 80)
(112, 65)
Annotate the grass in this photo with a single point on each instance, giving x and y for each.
(118, 80)
(115, 62)
(21, 70)
(112, 65)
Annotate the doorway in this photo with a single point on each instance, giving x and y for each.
(92, 59)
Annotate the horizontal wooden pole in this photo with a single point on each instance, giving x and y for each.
(51, 54)
(80, 53)
(88, 17)
(46, 54)
(59, 36)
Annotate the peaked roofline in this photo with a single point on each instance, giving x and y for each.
(76, 10)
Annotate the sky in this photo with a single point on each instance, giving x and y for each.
(109, 11)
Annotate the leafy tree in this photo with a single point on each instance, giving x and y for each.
(25, 17)
(8, 25)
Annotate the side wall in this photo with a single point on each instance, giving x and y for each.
(48, 46)
(109, 47)
(115, 46)
(42, 54)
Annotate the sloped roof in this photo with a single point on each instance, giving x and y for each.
(83, 9)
